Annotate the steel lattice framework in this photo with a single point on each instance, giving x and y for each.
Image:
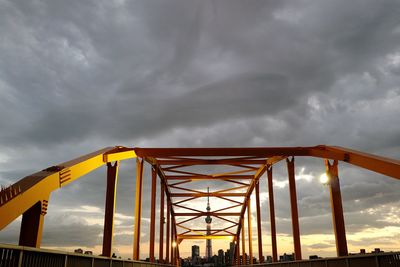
(178, 169)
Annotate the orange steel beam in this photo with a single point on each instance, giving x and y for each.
(294, 211)
(229, 207)
(183, 214)
(192, 162)
(231, 200)
(138, 208)
(168, 229)
(185, 189)
(32, 224)
(185, 200)
(250, 231)
(383, 165)
(259, 236)
(259, 173)
(243, 241)
(181, 182)
(112, 177)
(249, 191)
(272, 215)
(207, 152)
(188, 220)
(25, 193)
(207, 194)
(232, 188)
(153, 212)
(215, 231)
(237, 251)
(337, 209)
(227, 220)
(162, 221)
(235, 182)
(208, 177)
(183, 207)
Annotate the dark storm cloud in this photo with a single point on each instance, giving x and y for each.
(76, 76)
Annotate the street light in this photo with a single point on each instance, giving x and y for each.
(324, 178)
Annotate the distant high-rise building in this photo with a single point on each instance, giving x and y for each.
(195, 255)
(208, 222)
(221, 258)
(195, 251)
(232, 246)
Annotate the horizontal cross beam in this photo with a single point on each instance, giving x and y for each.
(207, 213)
(207, 177)
(228, 194)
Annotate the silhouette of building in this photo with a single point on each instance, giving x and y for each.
(221, 258)
(286, 257)
(196, 260)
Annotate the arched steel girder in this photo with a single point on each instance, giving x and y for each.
(23, 196)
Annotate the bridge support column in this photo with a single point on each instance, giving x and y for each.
(112, 177)
(162, 221)
(337, 208)
(272, 215)
(32, 224)
(168, 229)
(249, 231)
(153, 212)
(243, 243)
(237, 251)
(259, 236)
(138, 208)
(293, 205)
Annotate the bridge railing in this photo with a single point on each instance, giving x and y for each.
(364, 260)
(18, 256)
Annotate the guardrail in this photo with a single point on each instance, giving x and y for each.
(17, 256)
(391, 259)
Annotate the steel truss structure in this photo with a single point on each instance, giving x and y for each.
(178, 170)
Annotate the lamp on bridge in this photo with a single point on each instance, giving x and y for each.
(324, 178)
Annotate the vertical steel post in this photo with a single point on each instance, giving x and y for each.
(174, 248)
(162, 218)
(337, 208)
(259, 235)
(32, 224)
(168, 228)
(177, 261)
(237, 251)
(112, 177)
(243, 242)
(293, 205)
(249, 231)
(272, 215)
(138, 208)
(153, 212)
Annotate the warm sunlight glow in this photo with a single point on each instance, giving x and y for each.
(324, 178)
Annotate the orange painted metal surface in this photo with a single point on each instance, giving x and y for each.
(178, 169)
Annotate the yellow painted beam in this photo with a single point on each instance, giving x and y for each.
(110, 157)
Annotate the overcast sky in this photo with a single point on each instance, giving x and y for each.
(76, 76)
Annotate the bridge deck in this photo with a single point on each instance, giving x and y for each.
(17, 256)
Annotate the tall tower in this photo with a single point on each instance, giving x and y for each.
(208, 221)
